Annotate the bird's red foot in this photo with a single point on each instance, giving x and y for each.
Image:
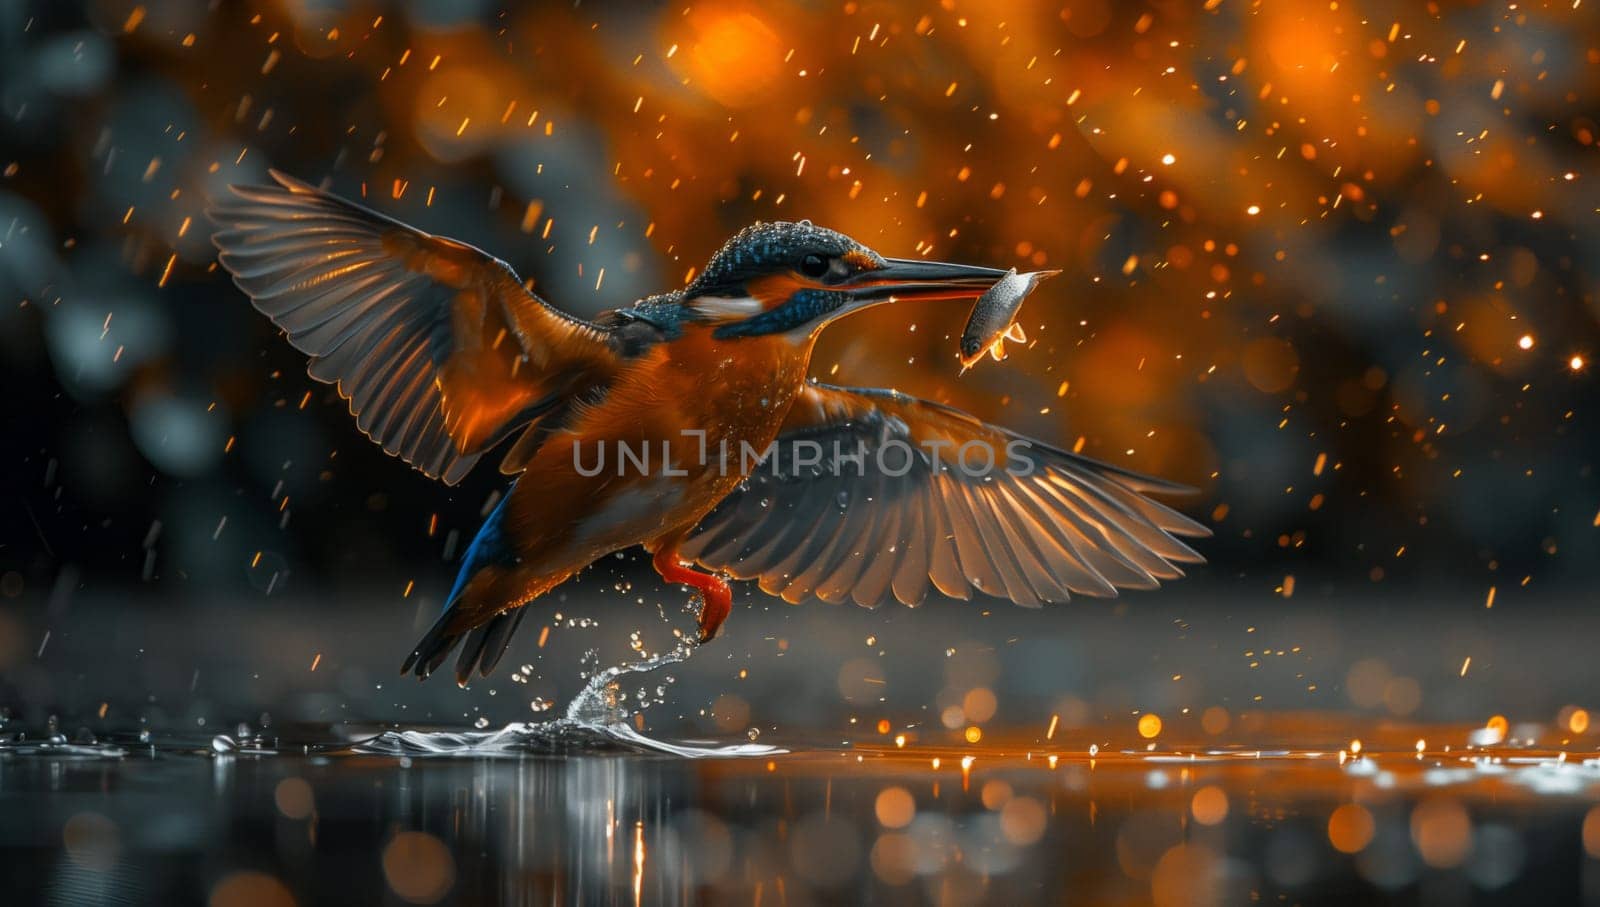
(716, 599)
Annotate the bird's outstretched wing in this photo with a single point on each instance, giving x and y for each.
(906, 501)
(439, 348)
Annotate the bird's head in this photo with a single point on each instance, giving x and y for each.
(793, 278)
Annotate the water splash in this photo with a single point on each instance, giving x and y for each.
(597, 720)
(601, 701)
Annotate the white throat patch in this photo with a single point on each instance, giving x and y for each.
(722, 307)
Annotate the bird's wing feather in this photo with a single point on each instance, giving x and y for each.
(911, 516)
(439, 348)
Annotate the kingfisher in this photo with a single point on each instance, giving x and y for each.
(684, 423)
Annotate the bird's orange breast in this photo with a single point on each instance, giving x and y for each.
(678, 429)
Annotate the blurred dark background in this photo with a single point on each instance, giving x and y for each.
(1332, 264)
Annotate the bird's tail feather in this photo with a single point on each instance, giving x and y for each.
(485, 642)
(484, 646)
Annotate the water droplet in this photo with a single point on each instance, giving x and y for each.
(754, 734)
(222, 743)
(540, 704)
(481, 723)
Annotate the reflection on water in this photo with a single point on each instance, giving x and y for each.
(575, 813)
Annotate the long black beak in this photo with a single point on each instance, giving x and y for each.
(908, 278)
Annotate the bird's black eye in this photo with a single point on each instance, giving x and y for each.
(814, 266)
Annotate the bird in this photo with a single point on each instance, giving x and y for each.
(444, 354)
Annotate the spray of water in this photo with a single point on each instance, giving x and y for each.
(597, 719)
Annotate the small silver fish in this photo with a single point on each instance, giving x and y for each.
(993, 319)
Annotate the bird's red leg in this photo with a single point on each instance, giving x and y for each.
(716, 599)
